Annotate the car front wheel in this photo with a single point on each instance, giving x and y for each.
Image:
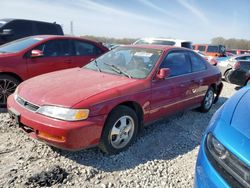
(119, 131)
(208, 100)
(8, 85)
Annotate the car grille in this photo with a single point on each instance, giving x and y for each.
(27, 104)
(224, 174)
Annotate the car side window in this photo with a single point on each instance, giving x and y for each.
(198, 64)
(86, 49)
(20, 28)
(55, 48)
(43, 29)
(201, 48)
(177, 62)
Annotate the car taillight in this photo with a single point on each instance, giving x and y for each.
(213, 62)
(236, 65)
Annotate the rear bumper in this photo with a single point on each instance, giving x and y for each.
(237, 77)
(62, 134)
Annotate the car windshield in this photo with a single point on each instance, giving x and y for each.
(157, 42)
(213, 49)
(2, 22)
(127, 61)
(18, 45)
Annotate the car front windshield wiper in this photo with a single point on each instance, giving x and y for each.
(96, 65)
(118, 70)
(2, 52)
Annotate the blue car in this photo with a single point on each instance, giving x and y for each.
(224, 156)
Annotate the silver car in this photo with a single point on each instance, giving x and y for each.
(226, 65)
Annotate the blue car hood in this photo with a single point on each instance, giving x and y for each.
(233, 126)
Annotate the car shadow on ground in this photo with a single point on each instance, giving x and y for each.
(163, 140)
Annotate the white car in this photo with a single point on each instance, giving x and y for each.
(165, 41)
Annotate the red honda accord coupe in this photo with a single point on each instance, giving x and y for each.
(32, 56)
(108, 101)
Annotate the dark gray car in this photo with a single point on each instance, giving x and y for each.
(226, 65)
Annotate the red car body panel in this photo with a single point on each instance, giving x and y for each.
(101, 93)
(25, 67)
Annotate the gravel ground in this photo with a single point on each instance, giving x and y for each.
(164, 155)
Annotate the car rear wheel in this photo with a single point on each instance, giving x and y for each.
(119, 131)
(208, 100)
(8, 85)
(226, 76)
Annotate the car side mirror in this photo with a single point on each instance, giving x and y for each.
(7, 32)
(36, 53)
(163, 73)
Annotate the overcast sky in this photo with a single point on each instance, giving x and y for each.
(196, 20)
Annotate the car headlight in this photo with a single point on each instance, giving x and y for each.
(66, 114)
(232, 164)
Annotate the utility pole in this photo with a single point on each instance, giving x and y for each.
(71, 28)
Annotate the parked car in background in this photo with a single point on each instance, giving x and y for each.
(32, 56)
(227, 65)
(240, 73)
(13, 29)
(164, 41)
(224, 156)
(211, 50)
(238, 51)
(109, 100)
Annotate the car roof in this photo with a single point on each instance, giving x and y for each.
(60, 36)
(12, 19)
(164, 39)
(157, 47)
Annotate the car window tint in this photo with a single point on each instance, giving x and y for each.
(20, 28)
(186, 45)
(198, 63)
(55, 48)
(201, 48)
(177, 62)
(86, 49)
(43, 29)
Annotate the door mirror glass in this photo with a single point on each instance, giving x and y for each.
(163, 73)
(36, 53)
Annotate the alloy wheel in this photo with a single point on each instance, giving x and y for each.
(209, 99)
(7, 87)
(122, 132)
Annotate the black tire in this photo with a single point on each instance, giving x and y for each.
(226, 76)
(108, 138)
(247, 82)
(8, 85)
(208, 100)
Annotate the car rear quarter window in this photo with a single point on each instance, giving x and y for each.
(186, 45)
(201, 48)
(177, 62)
(198, 64)
(46, 29)
(83, 48)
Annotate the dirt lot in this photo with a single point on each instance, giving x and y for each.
(164, 155)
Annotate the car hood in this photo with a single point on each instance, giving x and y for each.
(233, 129)
(6, 55)
(69, 87)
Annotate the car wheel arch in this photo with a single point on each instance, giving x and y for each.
(12, 75)
(134, 106)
